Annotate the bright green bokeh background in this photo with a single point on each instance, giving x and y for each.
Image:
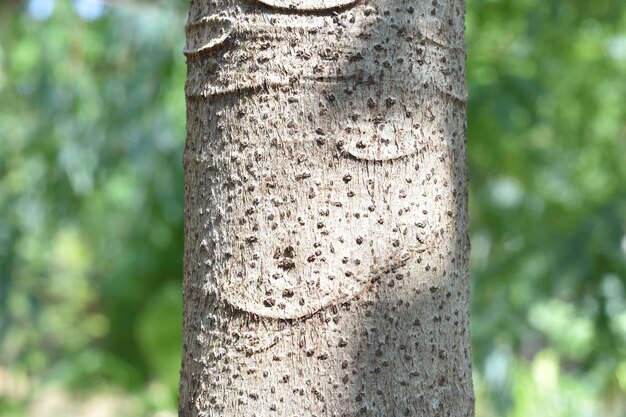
(92, 125)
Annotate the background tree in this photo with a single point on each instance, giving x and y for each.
(326, 247)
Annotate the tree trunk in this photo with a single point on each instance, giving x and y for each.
(326, 247)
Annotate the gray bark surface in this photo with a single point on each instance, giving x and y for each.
(326, 247)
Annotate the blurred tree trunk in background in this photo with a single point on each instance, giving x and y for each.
(326, 248)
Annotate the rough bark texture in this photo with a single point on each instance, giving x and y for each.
(326, 249)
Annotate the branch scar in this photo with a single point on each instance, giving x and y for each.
(308, 5)
(210, 32)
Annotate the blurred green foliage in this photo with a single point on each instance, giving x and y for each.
(93, 124)
(91, 201)
(547, 155)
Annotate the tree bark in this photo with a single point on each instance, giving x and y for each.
(326, 247)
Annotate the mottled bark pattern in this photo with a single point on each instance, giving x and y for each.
(326, 220)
